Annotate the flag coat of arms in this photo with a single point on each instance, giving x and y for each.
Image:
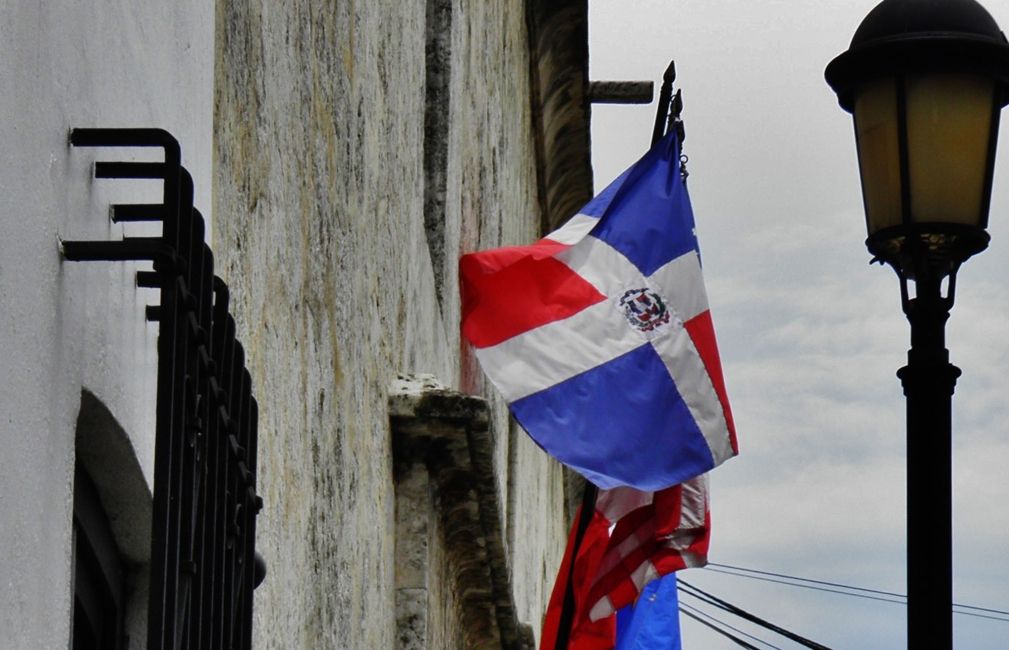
(599, 336)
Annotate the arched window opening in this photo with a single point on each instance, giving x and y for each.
(99, 605)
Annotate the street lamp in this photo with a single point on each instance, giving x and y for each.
(926, 81)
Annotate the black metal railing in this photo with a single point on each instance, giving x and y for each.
(203, 562)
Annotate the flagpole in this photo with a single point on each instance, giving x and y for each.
(588, 508)
(590, 492)
(665, 96)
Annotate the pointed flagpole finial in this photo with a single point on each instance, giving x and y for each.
(670, 74)
(665, 95)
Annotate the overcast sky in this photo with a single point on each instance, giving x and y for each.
(811, 336)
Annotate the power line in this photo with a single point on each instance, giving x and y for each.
(684, 608)
(813, 587)
(980, 609)
(795, 580)
(991, 618)
(729, 635)
(818, 582)
(704, 596)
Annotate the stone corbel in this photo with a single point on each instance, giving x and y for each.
(443, 463)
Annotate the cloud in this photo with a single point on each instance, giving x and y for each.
(810, 335)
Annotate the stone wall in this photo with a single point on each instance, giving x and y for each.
(359, 149)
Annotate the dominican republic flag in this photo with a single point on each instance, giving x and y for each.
(633, 539)
(599, 336)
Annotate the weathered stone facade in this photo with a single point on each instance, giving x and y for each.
(359, 149)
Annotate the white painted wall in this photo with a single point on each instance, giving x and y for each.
(63, 325)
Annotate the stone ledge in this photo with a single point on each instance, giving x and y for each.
(448, 433)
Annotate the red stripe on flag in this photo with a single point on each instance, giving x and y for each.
(585, 635)
(667, 506)
(508, 291)
(702, 333)
(667, 560)
(659, 533)
(649, 525)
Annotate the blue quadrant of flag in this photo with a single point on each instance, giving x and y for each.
(648, 218)
(659, 437)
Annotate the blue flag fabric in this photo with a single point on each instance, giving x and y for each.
(653, 623)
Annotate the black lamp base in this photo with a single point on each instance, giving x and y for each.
(929, 249)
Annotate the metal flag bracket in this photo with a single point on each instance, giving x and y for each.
(668, 115)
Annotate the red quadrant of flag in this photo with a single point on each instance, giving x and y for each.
(512, 290)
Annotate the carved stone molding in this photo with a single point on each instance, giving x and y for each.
(448, 522)
(559, 59)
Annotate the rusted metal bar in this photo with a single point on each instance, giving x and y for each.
(621, 92)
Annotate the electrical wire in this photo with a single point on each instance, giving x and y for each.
(714, 622)
(813, 587)
(991, 618)
(818, 582)
(796, 580)
(793, 581)
(738, 641)
(684, 608)
(981, 609)
(689, 589)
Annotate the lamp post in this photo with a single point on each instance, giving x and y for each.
(925, 81)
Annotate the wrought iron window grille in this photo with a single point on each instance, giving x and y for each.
(203, 562)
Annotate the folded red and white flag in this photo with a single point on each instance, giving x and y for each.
(634, 537)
